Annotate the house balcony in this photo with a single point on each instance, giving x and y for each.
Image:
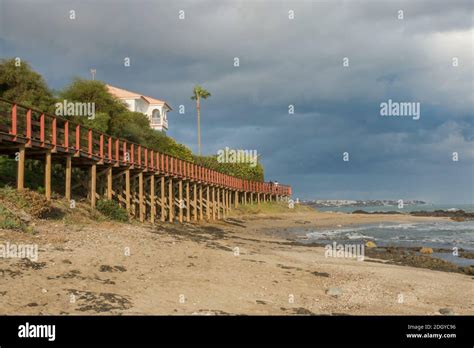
(159, 125)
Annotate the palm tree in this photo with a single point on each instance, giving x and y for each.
(198, 94)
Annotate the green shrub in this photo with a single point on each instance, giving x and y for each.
(8, 221)
(239, 170)
(112, 210)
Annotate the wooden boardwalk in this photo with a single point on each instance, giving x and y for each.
(150, 185)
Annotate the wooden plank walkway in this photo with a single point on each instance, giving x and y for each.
(150, 185)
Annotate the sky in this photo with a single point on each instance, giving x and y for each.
(403, 51)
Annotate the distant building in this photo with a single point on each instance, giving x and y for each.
(156, 110)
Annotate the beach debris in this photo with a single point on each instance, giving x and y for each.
(88, 301)
(299, 310)
(426, 250)
(107, 268)
(302, 311)
(446, 311)
(370, 244)
(334, 292)
(210, 312)
(320, 274)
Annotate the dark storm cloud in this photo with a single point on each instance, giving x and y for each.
(284, 62)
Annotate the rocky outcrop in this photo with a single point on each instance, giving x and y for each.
(426, 250)
(456, 215)
(376, 212)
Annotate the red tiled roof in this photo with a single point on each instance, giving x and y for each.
(124, 94)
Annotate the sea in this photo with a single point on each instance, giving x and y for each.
(447, 234)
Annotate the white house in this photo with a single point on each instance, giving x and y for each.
(156, 110)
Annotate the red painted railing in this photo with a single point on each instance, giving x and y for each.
(35, 128)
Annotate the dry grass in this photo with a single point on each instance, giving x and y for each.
(269, 208)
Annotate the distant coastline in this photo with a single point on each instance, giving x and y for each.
(360, 203)
(385, 207)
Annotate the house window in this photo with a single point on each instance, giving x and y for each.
(155, 117)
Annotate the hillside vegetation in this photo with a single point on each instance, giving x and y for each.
(25, 86)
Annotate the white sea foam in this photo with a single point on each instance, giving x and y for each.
(443, 233)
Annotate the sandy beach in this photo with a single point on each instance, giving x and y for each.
(237, 266)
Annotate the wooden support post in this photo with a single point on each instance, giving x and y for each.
(133, 197)
(163, 200)
(195, 210)
(213, 203)
(245, 197)
(170, 200)
(258, 198)
(47, 175)
(208, 204)
(236, 199)
(218, 203)
(251, 197)
(227, 201)
(180, 198)
(141, 201)
(224, 203)
(152, 199)
(188, 203)
(20, 178)
(93, 177)
(127, 191)
(109, 183)
(200, 203)
(68, 177)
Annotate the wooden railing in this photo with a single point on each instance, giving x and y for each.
(38, 129)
